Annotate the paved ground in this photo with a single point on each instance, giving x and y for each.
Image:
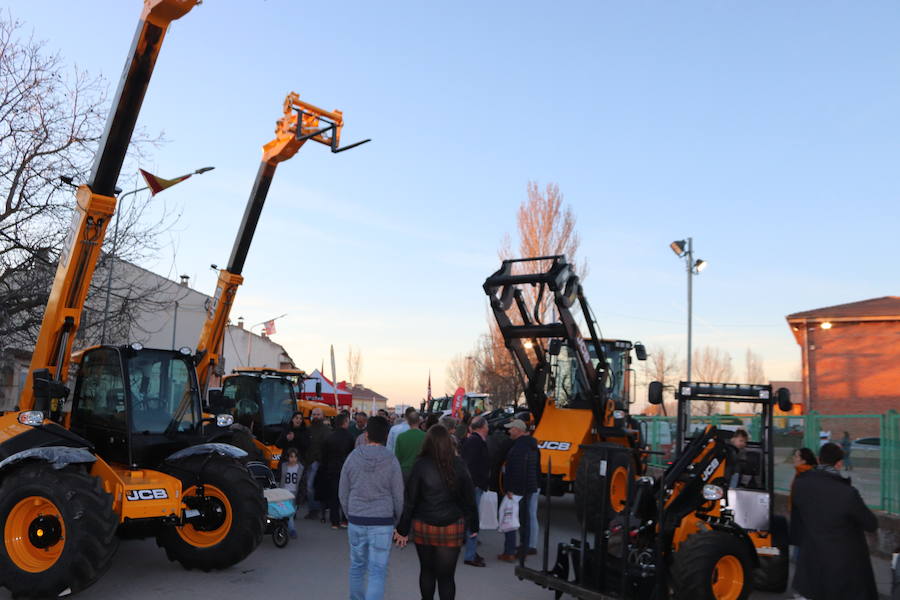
(315, 566)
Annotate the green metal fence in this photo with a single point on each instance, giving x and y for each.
(871, 442)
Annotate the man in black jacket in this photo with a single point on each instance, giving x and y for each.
(318, 431)
(338, 445)
(474, 453)
(831, 518)
(520, 479)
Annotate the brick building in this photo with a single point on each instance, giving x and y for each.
(851, 356)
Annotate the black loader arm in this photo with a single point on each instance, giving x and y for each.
(519, 323)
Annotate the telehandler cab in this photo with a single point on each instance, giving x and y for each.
(128, 452)
(266, 397)
(577, 388)
(704, 529)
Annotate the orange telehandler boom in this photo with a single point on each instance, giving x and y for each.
(301, 122)
(96, 204)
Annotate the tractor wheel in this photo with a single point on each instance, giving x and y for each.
(59, 530)
(589, 487)
(232, 514)
(712, 565)
(774, 571)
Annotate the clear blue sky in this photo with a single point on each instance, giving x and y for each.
(768, 131)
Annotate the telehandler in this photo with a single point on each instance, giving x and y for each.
(577, 388)
(263, 394)
(299, 123)
(703, 530)
(129, 452)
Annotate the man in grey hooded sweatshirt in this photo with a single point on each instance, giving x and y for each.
(371, 494)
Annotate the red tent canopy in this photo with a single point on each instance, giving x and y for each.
(329, 392)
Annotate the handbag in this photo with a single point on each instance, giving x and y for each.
(509, 514)
(487, 511)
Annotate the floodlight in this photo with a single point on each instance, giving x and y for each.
(826, 325)
(678, 247)
(699, 265)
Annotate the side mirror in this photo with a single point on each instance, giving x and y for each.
(655, 393)
(217, 402)
(45, 389)
(783, 396)
(640, 351)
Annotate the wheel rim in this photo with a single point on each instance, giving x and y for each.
(34, 534)
(205, 539)
(618, 489)
(728, 578)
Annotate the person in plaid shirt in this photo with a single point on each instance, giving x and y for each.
(439, 507)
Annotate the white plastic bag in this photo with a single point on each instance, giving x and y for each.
(487, 511)
(509, 514)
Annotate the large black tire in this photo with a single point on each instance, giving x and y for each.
(589, 488)
(242, 511)
(774, 571)
(67, 509)
(712, 565)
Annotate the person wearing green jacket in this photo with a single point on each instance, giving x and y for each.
(409, 443)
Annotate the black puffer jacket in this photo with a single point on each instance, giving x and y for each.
(429, 500)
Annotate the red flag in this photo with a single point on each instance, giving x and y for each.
(270, 327)
(429, 388)
(158, 184)
(456, 409)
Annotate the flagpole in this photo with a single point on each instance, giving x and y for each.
(115, 242)
(334, 381)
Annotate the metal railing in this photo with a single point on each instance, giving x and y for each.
(870, 441)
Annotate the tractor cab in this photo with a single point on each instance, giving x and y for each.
(565, 382)
(268, 401)
(138, 405)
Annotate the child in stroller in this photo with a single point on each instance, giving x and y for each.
(281, 501)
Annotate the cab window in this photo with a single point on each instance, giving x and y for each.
(100, 395)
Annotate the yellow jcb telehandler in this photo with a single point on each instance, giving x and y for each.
(130, 450)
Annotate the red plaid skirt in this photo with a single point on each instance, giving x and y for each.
(451, 535)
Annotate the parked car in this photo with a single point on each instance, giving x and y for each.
(866, 445)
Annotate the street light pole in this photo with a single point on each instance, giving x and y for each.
(250, 336)
(115, 243)
(685, 249)
(690, 302)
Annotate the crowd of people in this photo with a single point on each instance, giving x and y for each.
(400, 479)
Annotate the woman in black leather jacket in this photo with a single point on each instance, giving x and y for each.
(439, 507)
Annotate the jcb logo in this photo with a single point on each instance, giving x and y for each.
(151, 494)
(709, 470)
(555, 445)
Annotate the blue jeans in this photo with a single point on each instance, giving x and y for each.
(311, 501)
(533, 533)
(370, 548)
(472, 542)
(509, 541)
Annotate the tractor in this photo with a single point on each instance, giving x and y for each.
(704, 529)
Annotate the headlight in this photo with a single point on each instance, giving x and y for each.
(712, 492)
(618, 414)
(186, 351)
(31, 417)
(137, 346)
(224, 420)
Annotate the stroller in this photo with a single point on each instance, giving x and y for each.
(280, 503)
